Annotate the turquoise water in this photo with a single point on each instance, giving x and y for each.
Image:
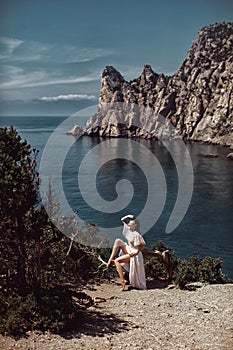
(208, 224)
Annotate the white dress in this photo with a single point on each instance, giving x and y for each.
(135, 267)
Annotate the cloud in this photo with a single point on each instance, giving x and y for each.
(29, 51)
(31, 69)
(55, 81)
(36, 64)
(8, 45)
(19, 78)
(69, 97)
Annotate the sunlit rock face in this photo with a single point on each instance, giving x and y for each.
(197, 100)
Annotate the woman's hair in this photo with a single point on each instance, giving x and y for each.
(137, 224)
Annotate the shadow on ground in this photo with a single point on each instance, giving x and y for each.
(158, 284)
(99, 324)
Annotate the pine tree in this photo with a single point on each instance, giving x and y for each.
(19, 183)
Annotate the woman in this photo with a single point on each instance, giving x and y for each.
(130, 257)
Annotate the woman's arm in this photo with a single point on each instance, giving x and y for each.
(139, 249)
(124, 218)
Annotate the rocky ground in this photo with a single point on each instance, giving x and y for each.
(162, 317)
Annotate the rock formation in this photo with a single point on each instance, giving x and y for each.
(197, 99)
(77, 130)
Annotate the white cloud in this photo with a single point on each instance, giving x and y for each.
(20, 79)
(46, 64)
(69, 97)
(55, 81)
(9, 71)
(30, 51)
(8, 45)
(31, 68)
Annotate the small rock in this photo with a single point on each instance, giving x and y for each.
(171, 286)
(230, 156)
(211, 155)
(76, 131)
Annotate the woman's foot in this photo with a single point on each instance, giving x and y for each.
(123, 283)
(126, 276)
(110, 261)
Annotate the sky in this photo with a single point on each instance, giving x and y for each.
(52, 52)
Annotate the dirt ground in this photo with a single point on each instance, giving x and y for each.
(162, 317)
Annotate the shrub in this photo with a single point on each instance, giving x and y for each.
(155, 268)
(54, 309)
(34, 259)
(195, 269)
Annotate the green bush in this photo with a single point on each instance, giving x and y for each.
(55, 310)
(195, 269)
(155, 268)
(210, 270)
(36, 259)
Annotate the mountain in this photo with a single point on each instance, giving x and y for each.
(197, 100)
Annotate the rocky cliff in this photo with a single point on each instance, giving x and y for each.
(197, 99)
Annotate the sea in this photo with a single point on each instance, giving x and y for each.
(207, 226)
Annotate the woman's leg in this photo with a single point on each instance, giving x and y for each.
(118, 244)
(112, 256)
(122, 259)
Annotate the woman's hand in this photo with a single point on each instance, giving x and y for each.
(132, 254)
(130, 216)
